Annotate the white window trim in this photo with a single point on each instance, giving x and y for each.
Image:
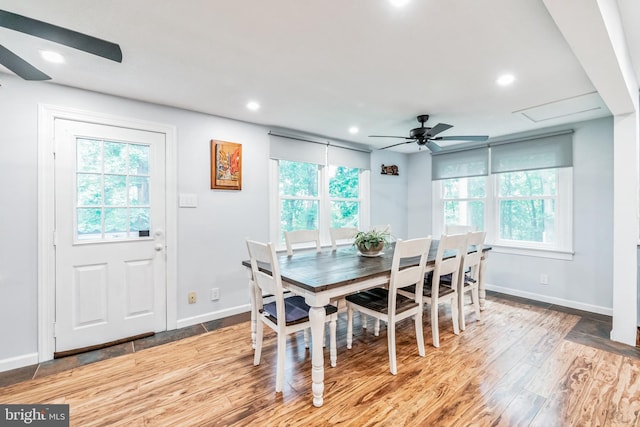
(562, 249)
(324, 216)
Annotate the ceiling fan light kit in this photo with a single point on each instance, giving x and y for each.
(424, 136)
(54, 33)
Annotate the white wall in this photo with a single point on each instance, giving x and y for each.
(586, 281)
(210, 237)
(389, 192)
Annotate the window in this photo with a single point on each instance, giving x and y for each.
(312, 196)
(112, 190)
(523, 200)
(525, 209)
(316, 185)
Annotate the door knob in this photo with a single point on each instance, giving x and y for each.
(159, 247)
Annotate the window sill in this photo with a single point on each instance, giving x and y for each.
(537, 252)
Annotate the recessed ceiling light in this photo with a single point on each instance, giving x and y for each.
(399, 3)
(253, 106)
(353, 130)
(52, 56)
(506, 79)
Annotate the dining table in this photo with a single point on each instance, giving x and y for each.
(327, 275)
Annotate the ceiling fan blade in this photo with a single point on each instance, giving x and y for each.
(462, 138)
(387, 136)
(19, 66)
(399, 143)
(61, 35)
(433, 146)
(440, 127)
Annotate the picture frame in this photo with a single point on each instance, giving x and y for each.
(226, 165)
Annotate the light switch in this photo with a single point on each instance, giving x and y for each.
(188, 200)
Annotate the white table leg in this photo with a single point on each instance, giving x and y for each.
(317, 318)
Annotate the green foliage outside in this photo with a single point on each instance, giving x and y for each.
(299, 191)
(525, 213)
(112, 188)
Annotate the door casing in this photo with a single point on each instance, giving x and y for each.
(46, 208)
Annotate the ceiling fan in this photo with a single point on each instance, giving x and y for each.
(52, 33)
(424, 136)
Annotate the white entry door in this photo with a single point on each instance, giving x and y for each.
(109, 239)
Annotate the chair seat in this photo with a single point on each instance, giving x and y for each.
(446, 280)
(377, 300)
(426, 290)
(296, 310)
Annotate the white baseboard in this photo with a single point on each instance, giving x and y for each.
(18, 362)
(552, 300)
(213, 315)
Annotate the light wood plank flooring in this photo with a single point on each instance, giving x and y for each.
(525, 364)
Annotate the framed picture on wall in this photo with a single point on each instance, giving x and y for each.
(226, 165)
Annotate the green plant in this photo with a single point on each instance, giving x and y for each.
(370, 239)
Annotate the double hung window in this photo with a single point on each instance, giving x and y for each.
(523, 200)
(320, 187)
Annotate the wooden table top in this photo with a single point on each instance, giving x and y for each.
(320, 271)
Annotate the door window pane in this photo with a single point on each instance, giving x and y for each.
(139, 219)
(115, 222)
(138, 159)
(115, 157)
(139, 190)
(115, 190)
(89, 189)
(89, 223)
(89, 156)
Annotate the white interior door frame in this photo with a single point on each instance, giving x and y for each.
(47, 114)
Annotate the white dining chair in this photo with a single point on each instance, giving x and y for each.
(387, 304)
(341, 235)
(434, 291)
(284, 315)
(297, 237)
(468, 279)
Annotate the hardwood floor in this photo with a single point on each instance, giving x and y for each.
(527, 363)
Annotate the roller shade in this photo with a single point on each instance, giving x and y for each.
(352, 158)
(296, 150)
(550, 151)
(460, 164)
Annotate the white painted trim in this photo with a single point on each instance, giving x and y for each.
(18, 362)
(540, 253)
(608, 311)
(46, 254)
(213, 315)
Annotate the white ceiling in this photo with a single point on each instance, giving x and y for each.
(321, 66)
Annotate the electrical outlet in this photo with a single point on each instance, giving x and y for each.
(544, 279)
(215, 294)
(192, 298)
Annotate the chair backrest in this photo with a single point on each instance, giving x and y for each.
(345, 233)
(271, 284)
(408, 276)
(382, 227)
(301, 236)
(472, 259)
(457, 229)
(452, 247)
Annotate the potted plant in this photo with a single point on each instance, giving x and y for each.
(370, 242)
